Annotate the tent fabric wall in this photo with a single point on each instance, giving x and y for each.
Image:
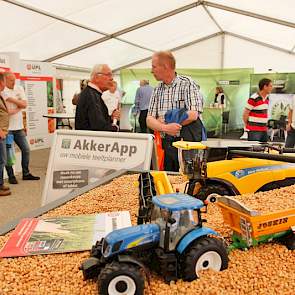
(121, 33)
(246, 54)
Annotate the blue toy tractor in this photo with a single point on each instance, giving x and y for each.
(174, 244)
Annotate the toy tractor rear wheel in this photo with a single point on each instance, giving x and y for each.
(120, 278)
(205, 191)
(204, 253)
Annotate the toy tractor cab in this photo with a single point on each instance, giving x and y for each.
(174, 243)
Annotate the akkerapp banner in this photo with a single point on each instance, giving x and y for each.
(78, 158)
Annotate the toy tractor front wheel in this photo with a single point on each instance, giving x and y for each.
(120, 278)
(204, 253)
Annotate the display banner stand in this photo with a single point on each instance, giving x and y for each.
(79, 158)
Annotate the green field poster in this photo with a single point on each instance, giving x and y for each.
(34, 236)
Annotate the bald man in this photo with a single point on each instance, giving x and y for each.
(174, 92)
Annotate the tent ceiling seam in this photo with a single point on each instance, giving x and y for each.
(172, 49)
(250, 14)
(126, 30)
(207, 38)
(212, 18)
(61, 19)
(222, 50)
(259, 43)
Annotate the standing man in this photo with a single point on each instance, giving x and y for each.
(92, 113)
(290, 141)
(4, 122)
(142, 101)
(15, 99)
(173, 92)
(255, 114)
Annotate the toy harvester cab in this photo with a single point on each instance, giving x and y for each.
(174, 244)
(192, 157)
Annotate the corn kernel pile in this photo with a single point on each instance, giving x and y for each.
(266, 269)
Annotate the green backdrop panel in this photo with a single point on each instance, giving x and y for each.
(235, 82)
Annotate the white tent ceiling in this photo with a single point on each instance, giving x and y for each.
(124, 33)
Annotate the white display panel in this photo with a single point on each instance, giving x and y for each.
(79, 158)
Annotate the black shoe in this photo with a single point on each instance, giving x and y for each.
(30, 177)
(12, 180)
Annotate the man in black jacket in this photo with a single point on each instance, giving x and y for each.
(91, 112)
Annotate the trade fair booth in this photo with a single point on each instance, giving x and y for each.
(104, 219)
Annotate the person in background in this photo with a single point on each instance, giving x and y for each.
(219, 97)
(16, 102)
(76, 96)
(255, 115)
(112, 98)
(142, 101)
(174, 92)
(91, 112)
(4, 123)
(290, 141)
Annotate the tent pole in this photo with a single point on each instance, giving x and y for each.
(126, 30)
(214, 20)
(250, 14)
(260, 43)
(172, 49)
(222, 50)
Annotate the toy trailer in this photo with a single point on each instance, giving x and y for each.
(250, 227)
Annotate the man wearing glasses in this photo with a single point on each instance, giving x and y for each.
(91, 111)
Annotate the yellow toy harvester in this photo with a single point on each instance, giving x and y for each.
(233, 168)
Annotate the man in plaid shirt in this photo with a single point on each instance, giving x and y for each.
(173, 92)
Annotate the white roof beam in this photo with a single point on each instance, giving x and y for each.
(213, 19)
(127, 30)
(250, 14)
(260, 43)
(61, 19)
(173, 49)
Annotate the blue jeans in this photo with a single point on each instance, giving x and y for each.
(20, 139)
(2, 159)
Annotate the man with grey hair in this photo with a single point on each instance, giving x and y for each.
(91, 112)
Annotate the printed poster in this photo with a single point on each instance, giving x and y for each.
(35, 236)
(37, 80)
